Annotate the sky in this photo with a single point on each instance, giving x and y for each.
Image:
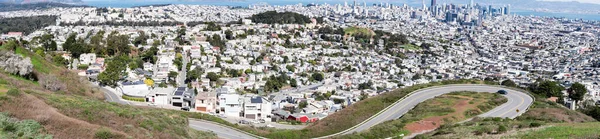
(582, 1)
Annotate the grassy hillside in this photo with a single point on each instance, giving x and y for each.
(543, 120)
(431, 114)
(79, 111)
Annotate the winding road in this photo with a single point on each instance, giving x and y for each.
(516, 100)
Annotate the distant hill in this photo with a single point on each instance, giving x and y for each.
(5, 6)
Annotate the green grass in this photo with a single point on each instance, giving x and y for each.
(140, 121)
(13, 128)
(478, 127)
(134, 98)
(438, 106)
(39, 63)
(357, 30)
(559, 131)
(410, 47)
(352, 115)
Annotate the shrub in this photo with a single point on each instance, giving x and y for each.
(103, 134)
(502, 129)
(535, 124)
(13, 92)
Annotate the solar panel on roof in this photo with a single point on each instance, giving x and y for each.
(179, 93)
(181, 89)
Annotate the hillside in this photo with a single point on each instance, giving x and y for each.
(78, 110)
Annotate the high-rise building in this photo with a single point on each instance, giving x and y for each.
(472, 3)
(507, 10)
(424, 6)
(433, 3)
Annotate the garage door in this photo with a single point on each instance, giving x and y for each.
(251, 116)
(201, 109)
(177, 104)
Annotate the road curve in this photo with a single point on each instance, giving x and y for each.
(221, 131)
(516, 100)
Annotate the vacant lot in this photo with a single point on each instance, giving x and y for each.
(564, 130)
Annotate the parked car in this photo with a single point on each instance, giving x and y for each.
(261, 120)
(503, 92)
(186, 108)
(243, 122)
(223, 116)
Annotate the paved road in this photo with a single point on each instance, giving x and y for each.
(222, 132)
(516, 100)
(183, 72)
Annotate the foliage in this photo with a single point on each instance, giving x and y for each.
(365, 85)
(103, 134)
(317, 76)
(117, 44)
(509, 83)
(114, 71)
(59, 60)
(212, 26)
(13, 92)
(546, 88)
(275, 83)
(12, 128)
(303, 104)
(133, 98)
(577, 91)
(212, 76)
(26, 24)
(272, 17)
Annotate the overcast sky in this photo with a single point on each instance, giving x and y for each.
(582, 1)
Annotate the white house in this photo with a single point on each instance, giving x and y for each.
(87, 59)
(257, 108)
(230, 105)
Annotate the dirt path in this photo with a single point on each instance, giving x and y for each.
(432, 123)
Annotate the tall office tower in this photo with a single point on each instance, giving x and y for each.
(424, 6)
(507, 10)
(354, 5)
(433, 3)
(345, 3)
(364, 4)
(472, 4)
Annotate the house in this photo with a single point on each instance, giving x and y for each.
(177, 97)
(87, 59)
(15, 35)
(160, 96)
(206, 102)
(229, 104)
(257, 107)
(148, 66)
(304, 118)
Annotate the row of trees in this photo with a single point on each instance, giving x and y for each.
(273, 17)
(26, 24)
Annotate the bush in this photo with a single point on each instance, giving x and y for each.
(134, 98)
(535, 124)
(502, 129)
(103, 134)
(13, 92)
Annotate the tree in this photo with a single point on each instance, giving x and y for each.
(577, 91)
(172, 75)
(229, 35)
(291, 68)
(117, 44)
(194, 74)
(303, 104)
(547, 88)
(114, 71)
(317, 76)
(293, 83)
(212, 76)
(59, 60)
(509, 83)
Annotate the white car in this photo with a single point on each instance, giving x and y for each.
(270, 126)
